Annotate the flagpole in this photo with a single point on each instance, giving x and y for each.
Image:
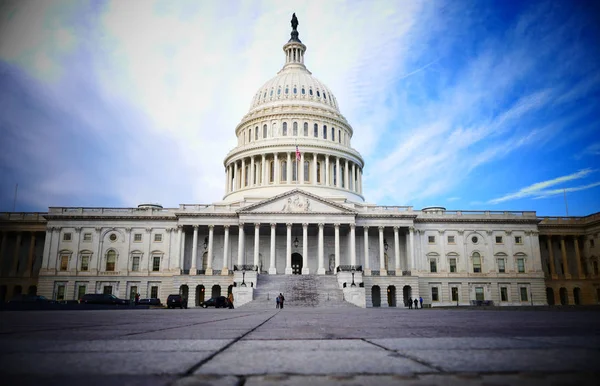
(15, 200)
(566, 204)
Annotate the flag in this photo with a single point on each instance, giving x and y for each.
(297, 154)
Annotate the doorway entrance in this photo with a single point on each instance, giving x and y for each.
(376, 296)
(296, 264)
(391, 296)
(406, 294)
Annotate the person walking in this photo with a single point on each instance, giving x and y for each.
(137, 299)
(416, 303)
(410, 303)
(281, 300)
(230, 298)
(421, 301)
(277, 302)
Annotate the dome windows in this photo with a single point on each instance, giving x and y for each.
(295, 129)
(271, 94)
(340, 136)
(316, 131)
(284, 129)
(256, 133)
(306, 129)
(318, 94)
(287, 90)
(303, 91)
(310, 92)
(278, 91)
(324, 131)
(324, 95)
(295, 91)
(265, 131)
(333, 134)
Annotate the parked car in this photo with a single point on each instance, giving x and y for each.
(23, 298)
(150, 302)
(176, 301)
(103, 299)
(218, 302)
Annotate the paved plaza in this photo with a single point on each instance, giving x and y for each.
(300, 346)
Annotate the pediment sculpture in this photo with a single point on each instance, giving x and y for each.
(296, 204)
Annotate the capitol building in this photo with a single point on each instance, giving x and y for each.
(293, 218)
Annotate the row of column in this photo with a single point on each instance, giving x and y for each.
(563, 250)
(236, 172)
(288, 267)
(15, 256)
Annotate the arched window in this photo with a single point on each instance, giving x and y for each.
(287, 90)
(284, 129)
(294, 171)
(274, 130)
(295, 90)
(334, 167)
(310, 91)
(265, 131)
(111, 259)
(265, 96)
(316, 133)
(342, 171)
(246, 174)
(318, 94)
(271, 171)
(318, 172)
(250, 135)
(306, 171)
(306, 129)
(324, 131)
(283, 171)
(303, 91)
(278, 91)
(340, 136)
(271, 93)
(476, 262)
(333, 134)
(295, 129)
(256, 133)
(324, 95)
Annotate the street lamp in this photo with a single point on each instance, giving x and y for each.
(353, 284)
(385, 245)
(296, 242)
(205, 245)
(243, 278)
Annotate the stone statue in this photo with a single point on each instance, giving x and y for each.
(294, 22)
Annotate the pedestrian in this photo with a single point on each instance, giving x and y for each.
(421, 301)
(230, 298)
(410, 303)
(277, 302)
(281, 299)
(137, 298)
(416, 303)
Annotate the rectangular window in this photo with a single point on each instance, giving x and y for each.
(80, 292)
(524, 294)
(433, 265)
(451, 240)
(66, 236)
(107, 290)
(60, 292)
(521, 265)
(158, 238)
(501, 266)
(479, 293)
(498, 239)
(503, 294)
(137, 237)
(434, 294)
(154, 291)
(64, 262)
(518, 240)
(591, 243)
(132, 292)
(87, 237)
(454, 294)
(156, 263)
(135, 265)
(431, 239)
(476, 264)
(85, 263)
(453, 265)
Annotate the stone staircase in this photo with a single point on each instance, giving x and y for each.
(299, 291)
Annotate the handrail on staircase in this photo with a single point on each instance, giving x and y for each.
(349, 268)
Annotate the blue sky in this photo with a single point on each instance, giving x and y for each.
(470, 105)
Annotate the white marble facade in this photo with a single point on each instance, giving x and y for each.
(294, 204)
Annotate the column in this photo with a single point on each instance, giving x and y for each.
(15, 261)
(305, 270)
(314, 181)
(337, 172)
(72, 267)
(180, 245)
(563, 251)
(235, 176)
(397, 252)
(578, 257)
(551, 257)
(252, 182)
(288, 250)
(256, 239)
(353, 244)
(382, 270)
(276, 170)
(288, 173)
(272, 269)
(326, 170)
(346, 179)
(360, 180)
(320, 269)
(243, 174)
(194, 250)
(5, 240)
(366, 242)
(209, 258)
(354, 179)
(300, 171)
(411, 247)
(337, 246)
(225, 270)
(28, 267)
(263, 167)
(148, 238)
(240, 259)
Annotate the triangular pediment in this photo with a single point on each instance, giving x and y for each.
(296, 201)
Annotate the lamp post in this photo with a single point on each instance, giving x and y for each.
(353, 284)
(385, 245)
(243, 278)
(296, 242)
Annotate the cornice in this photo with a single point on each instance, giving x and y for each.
(291, 114)
(117, 218)
(532, 221)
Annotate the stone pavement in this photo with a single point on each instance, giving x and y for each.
(294, 346)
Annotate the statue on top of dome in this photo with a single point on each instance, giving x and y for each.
(294, 21)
